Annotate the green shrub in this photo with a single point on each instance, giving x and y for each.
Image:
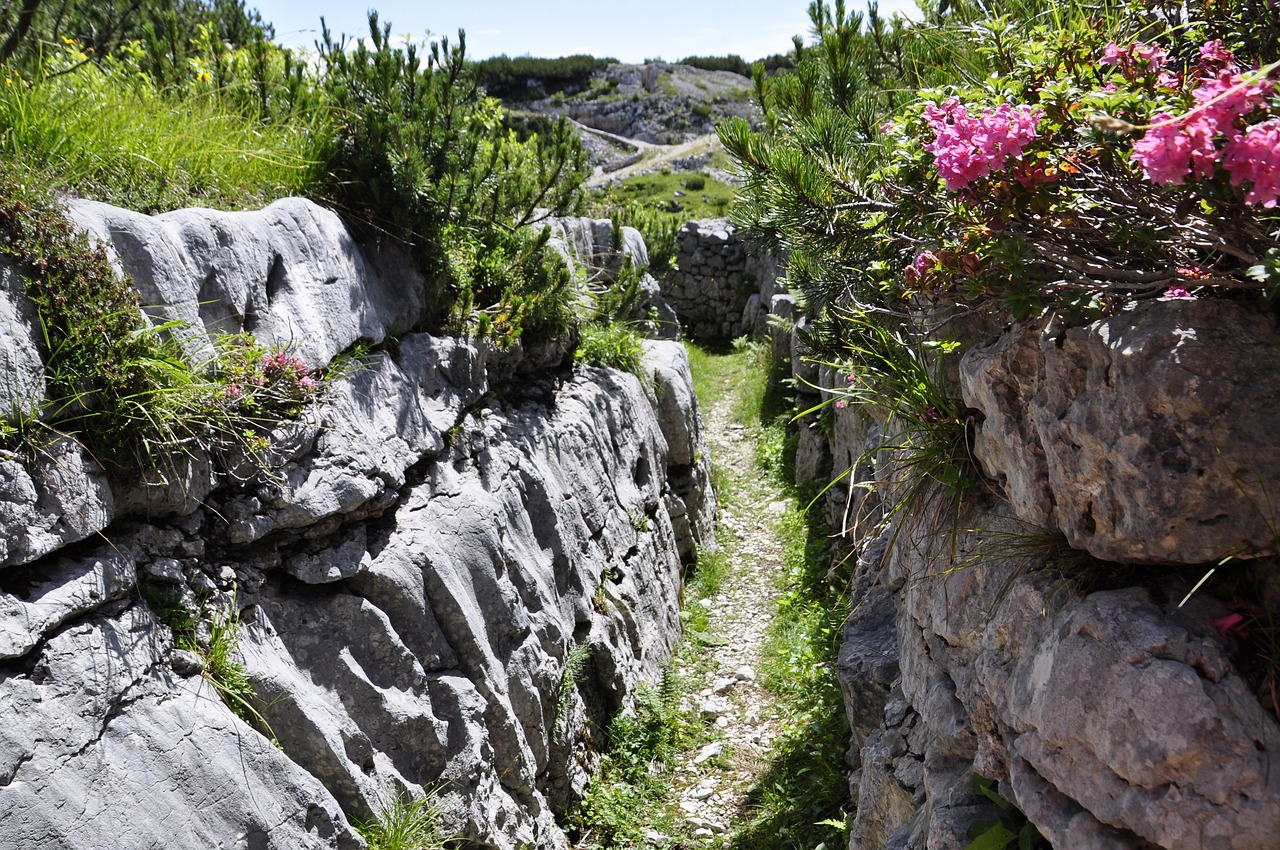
(660, 231)
(163, 28)
(733, 63)
(503, 76)
(613, 345)
(421, 154)
(696, 183)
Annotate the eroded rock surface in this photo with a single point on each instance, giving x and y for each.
(986, 639)
(1145, 437)
(290, 274)
(432, 540)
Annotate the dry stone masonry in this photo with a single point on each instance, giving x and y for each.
(722, 287)
(433, 541)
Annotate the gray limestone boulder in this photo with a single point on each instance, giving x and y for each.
(69, 588)
(103, 745)
(290, 274)
(424, 549)
(692, 503)
(1109, 719)
(21, 367)
(1145, 437)
(58, 498)
(448, 634)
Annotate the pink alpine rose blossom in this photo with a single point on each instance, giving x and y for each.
(1255, 156)
(1164, 152)
(967, 148)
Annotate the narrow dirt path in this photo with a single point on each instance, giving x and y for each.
(656, 156)
(710, 786)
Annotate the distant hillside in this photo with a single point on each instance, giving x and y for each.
(658, 102)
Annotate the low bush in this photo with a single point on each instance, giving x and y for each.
(1007, 157)
(527, 76)
(614, 345)
(423, 155)
(732, 63)
(127, 391)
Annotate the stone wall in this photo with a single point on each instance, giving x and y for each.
(433, 539)
(721, 287)
(1034, 635)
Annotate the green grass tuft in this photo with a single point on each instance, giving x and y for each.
(405, 823)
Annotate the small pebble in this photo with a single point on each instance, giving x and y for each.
(709, 752)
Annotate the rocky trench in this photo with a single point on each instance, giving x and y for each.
(432, 541)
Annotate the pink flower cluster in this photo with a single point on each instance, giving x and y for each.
(1215, 133)
(924, 263)
(1138, 60)
(280, 365)
(969, 147)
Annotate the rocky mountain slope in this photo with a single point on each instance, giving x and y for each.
(658, 102)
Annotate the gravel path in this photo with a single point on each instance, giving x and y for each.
(655, 156)
(711, 785)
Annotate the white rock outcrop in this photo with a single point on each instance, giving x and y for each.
(434, 539)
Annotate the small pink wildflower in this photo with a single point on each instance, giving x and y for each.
(924, 263)
(1255, 157)
(1229, 624)
(1228, 97)
(307, 382)
(1215, 58)
(967, 148)
(1164, 152)
(840, 405)
(1137, 59)
(1177, 292)
(1152, 55)
(1175, 148)
(233, 392)
(1111, 55)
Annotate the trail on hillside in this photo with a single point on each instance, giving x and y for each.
(711, 784)
(654, 158)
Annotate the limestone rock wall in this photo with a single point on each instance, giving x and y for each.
(721, 288)
(433, 540)
(1035, 636)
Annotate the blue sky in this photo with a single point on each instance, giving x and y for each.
(628, 31)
